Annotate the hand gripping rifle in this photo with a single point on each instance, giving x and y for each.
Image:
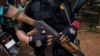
(69, 46)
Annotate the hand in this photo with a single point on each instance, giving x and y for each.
(63, 38)
(70, 32)
(40, 40)
(49, 41)
(49, 38)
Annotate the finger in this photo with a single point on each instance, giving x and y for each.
(50, 36)
(60, 33)
(49, 40)
(49, 43)
(67, 39)
(63, 40)
(61, 37)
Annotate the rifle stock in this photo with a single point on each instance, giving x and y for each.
(69, 46)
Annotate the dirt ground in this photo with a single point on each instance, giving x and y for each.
(89, 43)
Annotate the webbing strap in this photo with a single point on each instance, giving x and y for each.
(66, 12)
(26, 5)
(16, 15)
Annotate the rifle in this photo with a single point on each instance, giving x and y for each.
(69, 46)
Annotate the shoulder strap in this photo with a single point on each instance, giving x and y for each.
(18, 13)
(67, 14)
(68, 10)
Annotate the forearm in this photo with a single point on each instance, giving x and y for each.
(32, 32)
(22, 36)
(22, 17)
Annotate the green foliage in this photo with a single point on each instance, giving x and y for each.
(93, 29)
(92, 20)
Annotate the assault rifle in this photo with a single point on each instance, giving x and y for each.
(69, 46)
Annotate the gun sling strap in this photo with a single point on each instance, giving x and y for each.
(16, 15)
(20, 11)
